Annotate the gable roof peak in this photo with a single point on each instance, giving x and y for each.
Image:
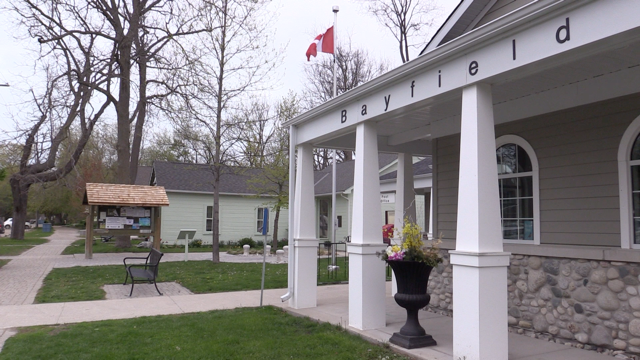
(469, 15)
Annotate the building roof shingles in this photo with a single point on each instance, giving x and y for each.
(235, 180)
(199, 178)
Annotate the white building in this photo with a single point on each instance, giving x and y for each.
(539, 97)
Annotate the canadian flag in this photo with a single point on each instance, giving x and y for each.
(323, 43)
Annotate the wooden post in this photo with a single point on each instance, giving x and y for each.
(156, 228)
(88, 241)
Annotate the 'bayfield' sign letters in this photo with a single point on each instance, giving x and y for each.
(494, 57)
(562, 35)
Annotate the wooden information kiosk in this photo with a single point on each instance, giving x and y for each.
(116, 209)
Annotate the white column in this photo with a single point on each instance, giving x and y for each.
(366, 270)
(430, 208)
(304, 233)
(405, 193)
(479, 264)
(405, 205)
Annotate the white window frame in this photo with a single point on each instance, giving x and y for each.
(259, 219)
(524, 144)
(624, 184)
(206, 207)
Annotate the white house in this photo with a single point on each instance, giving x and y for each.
(189, 188)
(530, 110)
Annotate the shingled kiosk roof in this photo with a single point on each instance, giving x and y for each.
(118, 194)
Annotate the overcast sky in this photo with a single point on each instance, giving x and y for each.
(296, 24)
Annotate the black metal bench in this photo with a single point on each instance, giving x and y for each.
(143, 272)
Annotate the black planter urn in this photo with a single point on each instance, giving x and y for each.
(412, 278)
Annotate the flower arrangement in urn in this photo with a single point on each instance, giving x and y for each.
(412, 247)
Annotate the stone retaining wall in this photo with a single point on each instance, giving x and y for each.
(595, 303)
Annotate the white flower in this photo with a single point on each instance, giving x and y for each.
(389, 251)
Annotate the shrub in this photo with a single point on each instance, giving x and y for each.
(247, 241)
(260, 244)
(196, 243)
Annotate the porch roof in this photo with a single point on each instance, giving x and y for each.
(546, 56)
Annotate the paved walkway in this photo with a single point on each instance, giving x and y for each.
(22, 277)
(63, 261)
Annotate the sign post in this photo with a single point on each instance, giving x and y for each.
(186, 235)
(265, 230)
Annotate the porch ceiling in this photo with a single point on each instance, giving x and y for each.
(516, 95)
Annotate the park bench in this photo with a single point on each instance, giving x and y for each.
(143, 272)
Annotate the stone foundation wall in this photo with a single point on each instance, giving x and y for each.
(595, 303)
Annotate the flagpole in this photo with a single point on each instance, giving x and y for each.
(335, 46)
(334, 218)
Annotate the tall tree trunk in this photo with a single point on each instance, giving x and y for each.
(20, 192)
(142, 114)
(123, 150)
(215, 245)
(123, 173)
(215, 227)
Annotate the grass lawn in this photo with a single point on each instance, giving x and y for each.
(35, 234)
(13, 247)
(13, 250)
(31, 237)
(77, 247)
(335, 276)
(83, 283)
(250, 333)
(3, 262)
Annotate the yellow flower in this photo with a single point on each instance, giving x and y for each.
(411, 235)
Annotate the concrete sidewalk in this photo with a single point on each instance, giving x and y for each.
(22, 277)
(64, 261)
(332, 308)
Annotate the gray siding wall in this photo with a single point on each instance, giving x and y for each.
(448, 161)
(577, 154)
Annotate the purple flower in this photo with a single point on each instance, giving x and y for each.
(396, 256)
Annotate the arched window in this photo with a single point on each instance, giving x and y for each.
(518, 188)
(634, 164)
(629, 182)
